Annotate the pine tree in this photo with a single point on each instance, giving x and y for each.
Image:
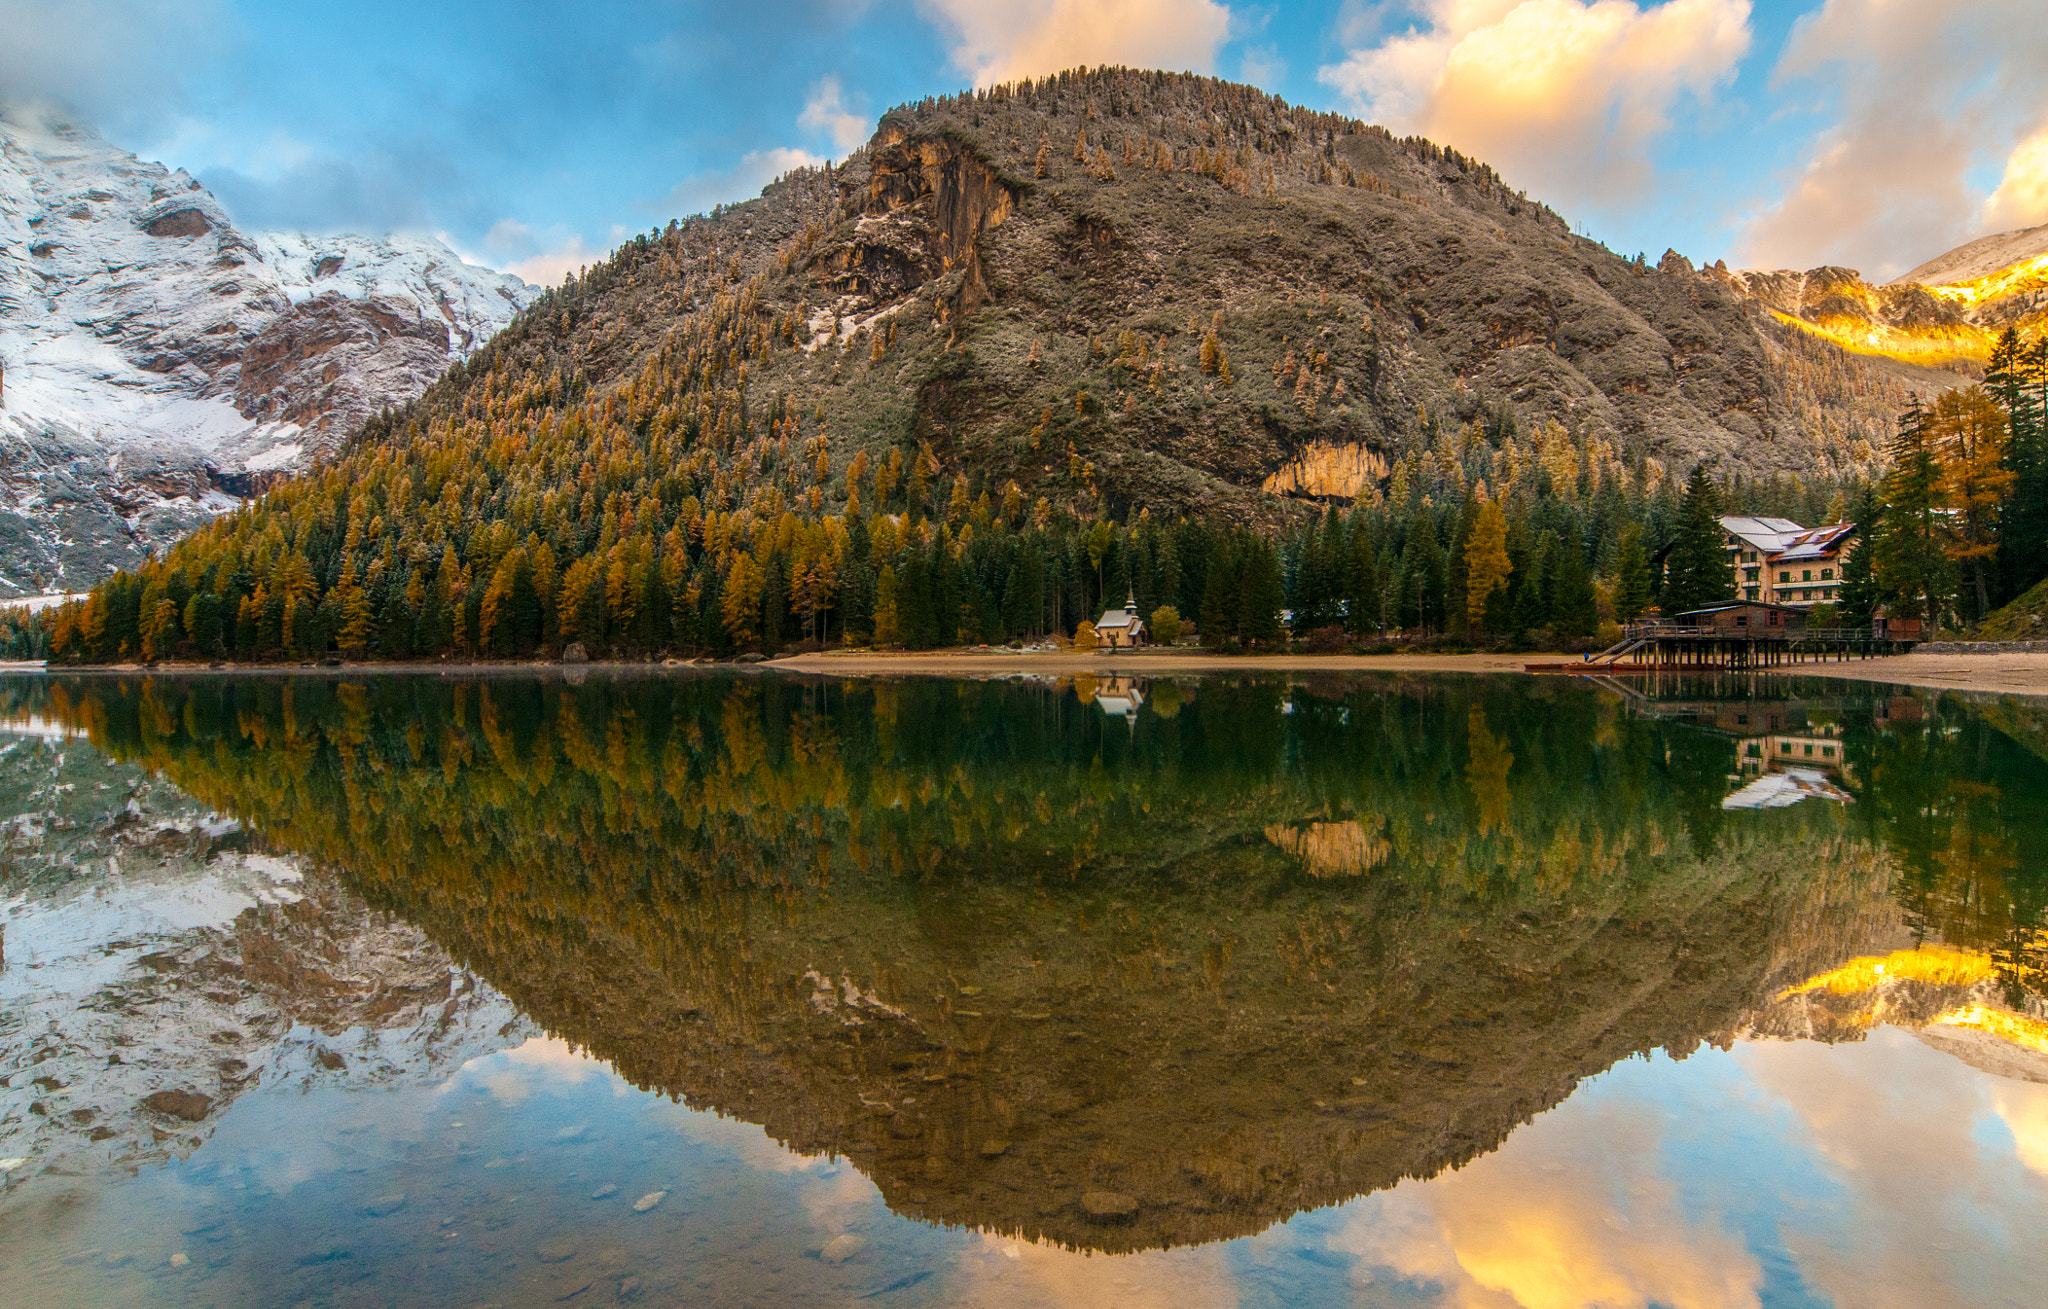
(1631, 576)
(1861, 594)
(1577, 613)
(2017, 376)
(1912, 567)
(1697, 572)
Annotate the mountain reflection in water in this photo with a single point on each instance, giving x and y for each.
(1147, 964)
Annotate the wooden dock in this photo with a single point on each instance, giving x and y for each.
(1679, 648)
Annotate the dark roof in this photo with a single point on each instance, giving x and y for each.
(1745, 604)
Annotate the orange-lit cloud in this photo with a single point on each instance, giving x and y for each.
(1919, 92)
(2021, 199)
(1003, 1273)
(1564, 96)
(2024, 1108)
(1895, 1122)
(1004, 40)
(1574, 1210)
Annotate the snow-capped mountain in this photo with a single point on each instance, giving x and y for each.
(156, 360)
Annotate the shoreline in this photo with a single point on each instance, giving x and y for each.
(2000, 674)
(2003, 674)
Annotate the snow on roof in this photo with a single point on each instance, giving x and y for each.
(1783, 538)
(1783, 790)
(1115, 618)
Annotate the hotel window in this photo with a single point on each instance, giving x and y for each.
(1806, 576)
(1784, 577)
(1809, 751)
(1827, 574)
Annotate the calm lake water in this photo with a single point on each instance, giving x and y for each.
(750, 989)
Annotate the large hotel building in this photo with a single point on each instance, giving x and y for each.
(1779, 562)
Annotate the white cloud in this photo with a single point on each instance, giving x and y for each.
(513, 247)
(1006, 40)
(115, 62)
(826, 112)
(1262, 67)
(540, 1063)
(743, 181)
(1561, 95)
(2021, 199)
(1920, 94)
(550, 267)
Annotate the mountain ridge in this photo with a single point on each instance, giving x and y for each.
(1932, 327)
(1127, 209)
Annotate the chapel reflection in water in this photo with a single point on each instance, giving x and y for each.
(1119, 965)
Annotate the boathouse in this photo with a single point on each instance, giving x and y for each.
(1754, 619)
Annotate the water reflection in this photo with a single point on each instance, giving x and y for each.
(1116, 967)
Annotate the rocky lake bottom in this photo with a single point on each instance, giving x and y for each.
(730, 988)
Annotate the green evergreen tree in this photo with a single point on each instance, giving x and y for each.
(1631, 576)
(1915, 572)
(1578, 608)
(1861, 594)
(2017, 375)
(1697, 573)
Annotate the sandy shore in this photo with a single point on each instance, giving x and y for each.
(2007, 674)
(2013, 674)
(1149, 663)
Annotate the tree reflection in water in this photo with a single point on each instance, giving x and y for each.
(1245, 947)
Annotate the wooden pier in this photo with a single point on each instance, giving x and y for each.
(1691, 647)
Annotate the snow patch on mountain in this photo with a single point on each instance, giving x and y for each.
(1980, 258)
(157, 363)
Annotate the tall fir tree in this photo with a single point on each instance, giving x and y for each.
(1912, 567)
(1697, 572)
(1861, 594)
(1631, 576)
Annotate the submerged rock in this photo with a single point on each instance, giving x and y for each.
(841, 1248)
(556, 1249)
(649, 1201)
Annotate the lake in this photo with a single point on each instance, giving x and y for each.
(750, 989)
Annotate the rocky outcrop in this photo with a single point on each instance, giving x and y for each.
(147, 342)
(327, 363)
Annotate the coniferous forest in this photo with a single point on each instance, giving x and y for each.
(410, 549)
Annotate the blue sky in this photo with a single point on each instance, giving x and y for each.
(1873, 133)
